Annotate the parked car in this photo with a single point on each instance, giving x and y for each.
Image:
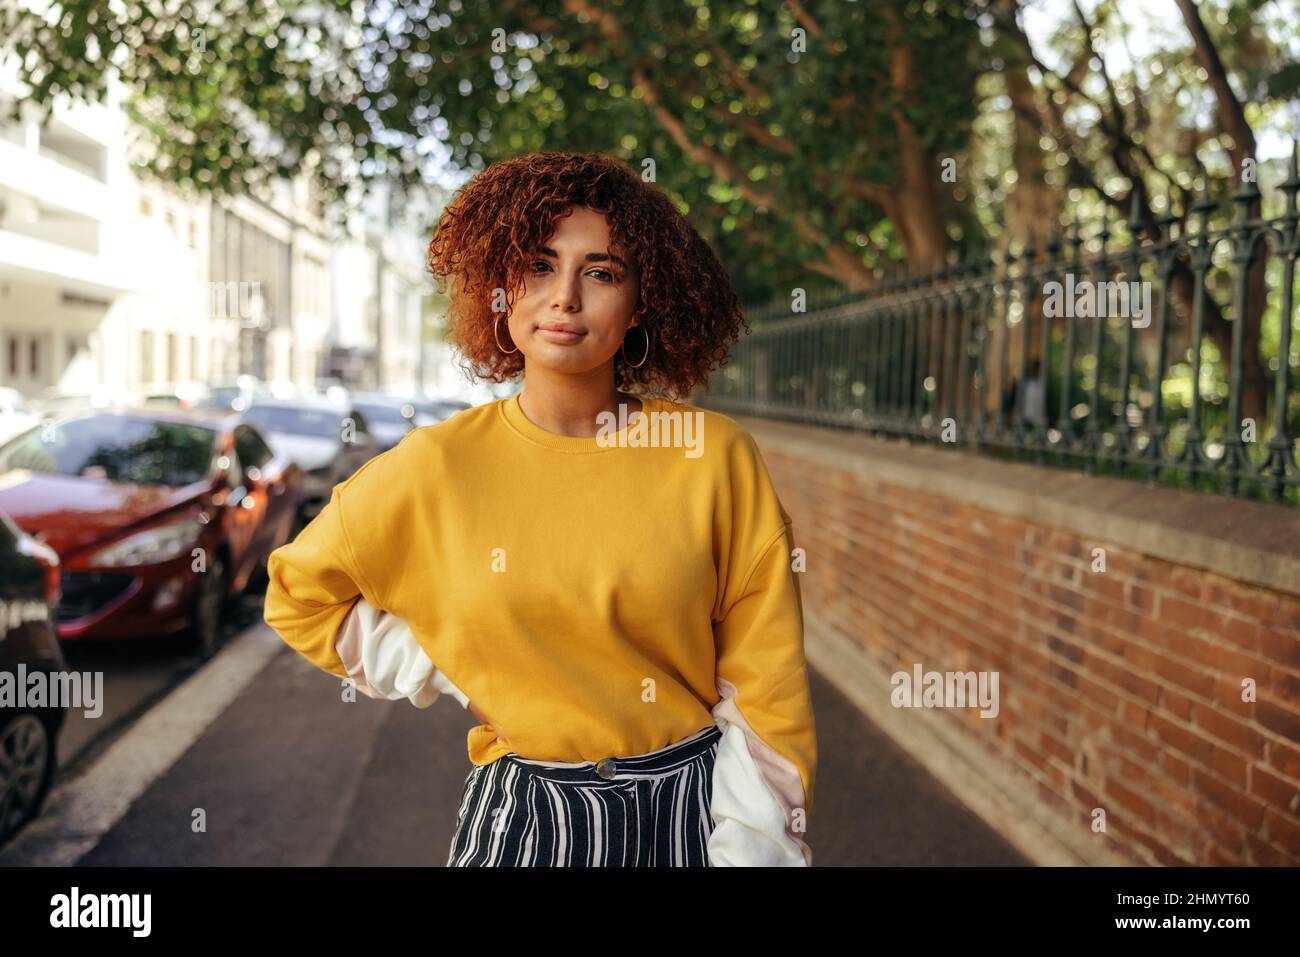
(234, 395)
(388, 417)
(15, 415)
(430, 410)
(29, 590)
(328, 441)
(56, 401)
(186, 397)
(157, 517)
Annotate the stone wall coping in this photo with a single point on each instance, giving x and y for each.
(1257, 543)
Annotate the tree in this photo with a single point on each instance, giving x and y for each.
(804, 138)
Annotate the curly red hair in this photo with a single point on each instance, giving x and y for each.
(496, 223)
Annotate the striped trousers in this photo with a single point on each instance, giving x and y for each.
(648, 810)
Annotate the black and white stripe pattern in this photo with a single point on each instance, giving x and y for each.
(654, 811)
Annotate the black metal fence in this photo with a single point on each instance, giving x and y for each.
(1120, 358)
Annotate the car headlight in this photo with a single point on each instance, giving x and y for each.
(158, 544)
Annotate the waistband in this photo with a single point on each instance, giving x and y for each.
(627, 768)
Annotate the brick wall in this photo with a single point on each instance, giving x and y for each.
(1119, 690)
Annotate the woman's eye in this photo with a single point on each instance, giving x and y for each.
(604, 272)
(540, 262)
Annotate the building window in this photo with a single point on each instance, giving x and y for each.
(33, 351)
(13, 357)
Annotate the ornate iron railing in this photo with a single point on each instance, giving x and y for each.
(1125, 359)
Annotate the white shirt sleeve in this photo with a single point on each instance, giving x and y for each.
(755, 793)
(384, 659)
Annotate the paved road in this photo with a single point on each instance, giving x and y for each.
(288, 774)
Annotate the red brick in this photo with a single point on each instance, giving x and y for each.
(1282, 794)
(1054, 747)
(1230, 730)
(1135, 717)
(1176, 703)
(1217, 857)
(1221, 657)
(1178, 770)
(1264, 854)
(1228, 691)
(1190, 743)
(1242, 632)
(1162, 854)
(1139, 598)
(1278, 719)
(1138, 744)
(1224, 830)
(1188, 615)
(1253, 603)
(1193, 679)
(1284, 758)
(1282, 833)
(1278, 646)
(1029, 754)
(1136, 806)
(1189, 583)
(1247, 810)
(1231, 767)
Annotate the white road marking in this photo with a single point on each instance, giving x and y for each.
(78, 813)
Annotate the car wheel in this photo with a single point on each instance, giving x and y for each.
(209, 602)
(27, 762)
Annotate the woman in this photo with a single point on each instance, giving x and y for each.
(605, 572)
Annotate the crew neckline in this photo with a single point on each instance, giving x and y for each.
(514, 415)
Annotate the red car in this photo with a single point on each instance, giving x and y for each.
(157, 517)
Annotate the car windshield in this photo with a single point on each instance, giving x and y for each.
(118, 448)
(378, 413)
(296, 420)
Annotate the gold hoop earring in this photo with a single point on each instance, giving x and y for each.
(623, 348)
(496, 334)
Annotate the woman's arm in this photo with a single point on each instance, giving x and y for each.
(322, 604)
(765, 772)
(766, 762)
(325, 607)
(383, 657)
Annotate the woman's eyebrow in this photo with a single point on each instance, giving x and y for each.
(590, 257)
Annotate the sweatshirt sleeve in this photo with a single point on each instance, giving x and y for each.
(758, 632)
(763, 686)
(313, 584)
(322, 605)
(384, 659)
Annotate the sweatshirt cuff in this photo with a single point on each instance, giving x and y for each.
(382, 656)
(755, 792)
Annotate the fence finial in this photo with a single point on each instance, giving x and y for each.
(1292, 183)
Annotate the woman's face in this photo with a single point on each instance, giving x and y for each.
(578, 298)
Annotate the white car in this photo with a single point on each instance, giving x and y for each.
(15, 416)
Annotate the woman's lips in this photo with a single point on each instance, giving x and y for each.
(562, 336)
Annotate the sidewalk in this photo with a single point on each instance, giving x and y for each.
(289, 774)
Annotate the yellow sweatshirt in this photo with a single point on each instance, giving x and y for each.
(591, 595)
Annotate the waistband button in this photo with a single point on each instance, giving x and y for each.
(606, 768)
